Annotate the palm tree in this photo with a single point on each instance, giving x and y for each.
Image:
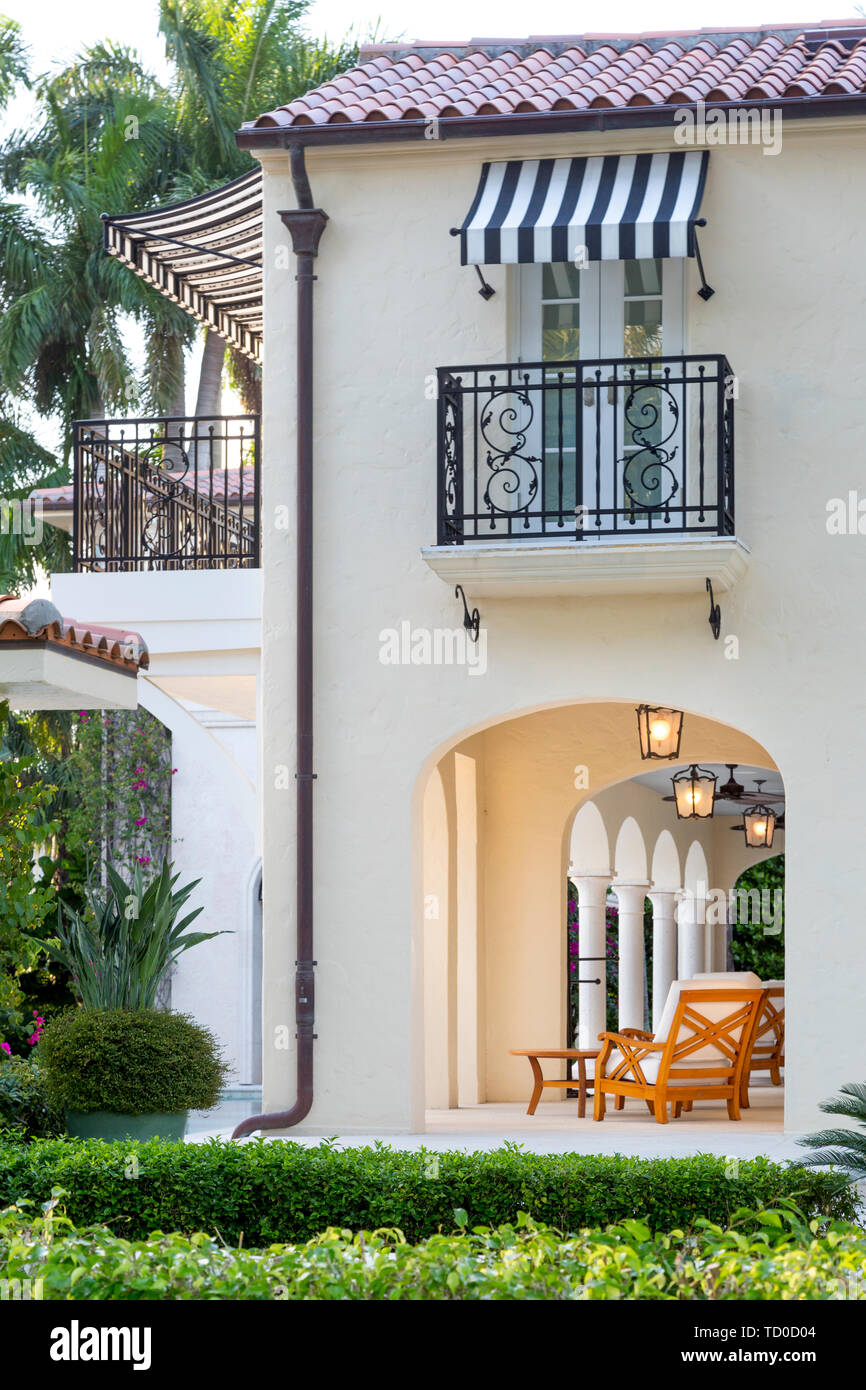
(61, 340)
(232, 59)
(845, 1147)
(109, 137)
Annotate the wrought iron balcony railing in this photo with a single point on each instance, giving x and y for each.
(166, 494)
(632, 447)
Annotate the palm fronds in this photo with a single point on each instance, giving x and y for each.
(846, 1148)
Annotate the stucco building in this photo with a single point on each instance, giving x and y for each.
(582, 339)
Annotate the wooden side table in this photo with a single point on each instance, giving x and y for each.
(569, 1054)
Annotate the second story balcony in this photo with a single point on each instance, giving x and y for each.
(177, 493)
(587, 474)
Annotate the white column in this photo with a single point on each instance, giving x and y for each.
(691, 918)
(632, 955)
(664, 903)
(591, 936)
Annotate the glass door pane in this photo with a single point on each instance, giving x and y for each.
(562, 288)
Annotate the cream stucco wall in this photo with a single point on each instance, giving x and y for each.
(784, 250)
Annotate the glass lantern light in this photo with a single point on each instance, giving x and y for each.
(659, 730)
(759, 824)
(694, 792)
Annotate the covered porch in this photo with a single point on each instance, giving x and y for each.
(563, 895)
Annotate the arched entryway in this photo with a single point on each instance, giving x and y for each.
(511, 814)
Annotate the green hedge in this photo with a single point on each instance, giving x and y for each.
(132, 1061)
(774, 1256)
(282, 1191)
(24, 1103)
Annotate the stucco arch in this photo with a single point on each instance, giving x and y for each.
(590, 848)
(666, 868)
(546, 794)
(696, 871)
(630, 858)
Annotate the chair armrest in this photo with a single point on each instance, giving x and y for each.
(628, 1036)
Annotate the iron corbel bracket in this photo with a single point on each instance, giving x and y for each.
(715, 618)
(471, 621)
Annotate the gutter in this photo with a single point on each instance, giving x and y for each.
(532, 122)
(305, 224)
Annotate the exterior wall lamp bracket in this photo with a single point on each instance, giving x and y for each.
(715, 618)
(471, 621)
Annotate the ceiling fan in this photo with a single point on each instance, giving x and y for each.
(732, 790)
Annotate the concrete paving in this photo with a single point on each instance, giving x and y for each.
(555, 1128)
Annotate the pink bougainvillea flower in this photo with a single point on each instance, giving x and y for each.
(144, 861)
(142, 820)
(6, 1048)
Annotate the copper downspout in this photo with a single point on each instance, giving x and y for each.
(305, 224)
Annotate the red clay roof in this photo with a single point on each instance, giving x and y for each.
(39, 621)
(489, 77)
(60, 499)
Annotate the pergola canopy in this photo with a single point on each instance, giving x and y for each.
(205, 254)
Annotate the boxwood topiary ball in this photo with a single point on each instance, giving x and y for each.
(138, 1062)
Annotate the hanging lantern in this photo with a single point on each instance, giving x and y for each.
(694, 792)
(659, 730)
(759, 824)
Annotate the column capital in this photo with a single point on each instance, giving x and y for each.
(591, 888)
(667, 897)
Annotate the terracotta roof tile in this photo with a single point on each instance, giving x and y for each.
(395, 82)
(60, 499)
(39, 621)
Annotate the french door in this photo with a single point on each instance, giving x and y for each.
(602, 433)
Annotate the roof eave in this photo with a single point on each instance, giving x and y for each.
(533, 122)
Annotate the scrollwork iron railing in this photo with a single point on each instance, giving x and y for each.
(621, 447)
(166, 494)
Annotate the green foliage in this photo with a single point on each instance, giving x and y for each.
(773, 1255)
(24, 900)
(120, 769)
(267, 1192)
(13, 58)
(121, 951)
(752, 947)
(24, 1103)
(231, 60)
(845, 1147)
(134, 1063)
(28, 546)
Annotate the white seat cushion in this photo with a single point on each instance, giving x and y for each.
(650, 1068)
(745, 977)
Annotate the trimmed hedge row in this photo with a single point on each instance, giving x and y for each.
(773, 1256)
(284, 1191)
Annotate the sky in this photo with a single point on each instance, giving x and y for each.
(55, 29)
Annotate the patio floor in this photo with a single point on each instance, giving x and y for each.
(555, 1128)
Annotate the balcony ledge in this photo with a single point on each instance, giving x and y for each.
(553, 568)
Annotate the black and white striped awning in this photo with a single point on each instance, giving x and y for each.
(618, 207)
(205, 254)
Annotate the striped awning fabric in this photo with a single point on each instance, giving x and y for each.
(205, 254)
(618, 207)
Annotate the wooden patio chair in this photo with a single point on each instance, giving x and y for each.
(767, 1052)
(698, 1051)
